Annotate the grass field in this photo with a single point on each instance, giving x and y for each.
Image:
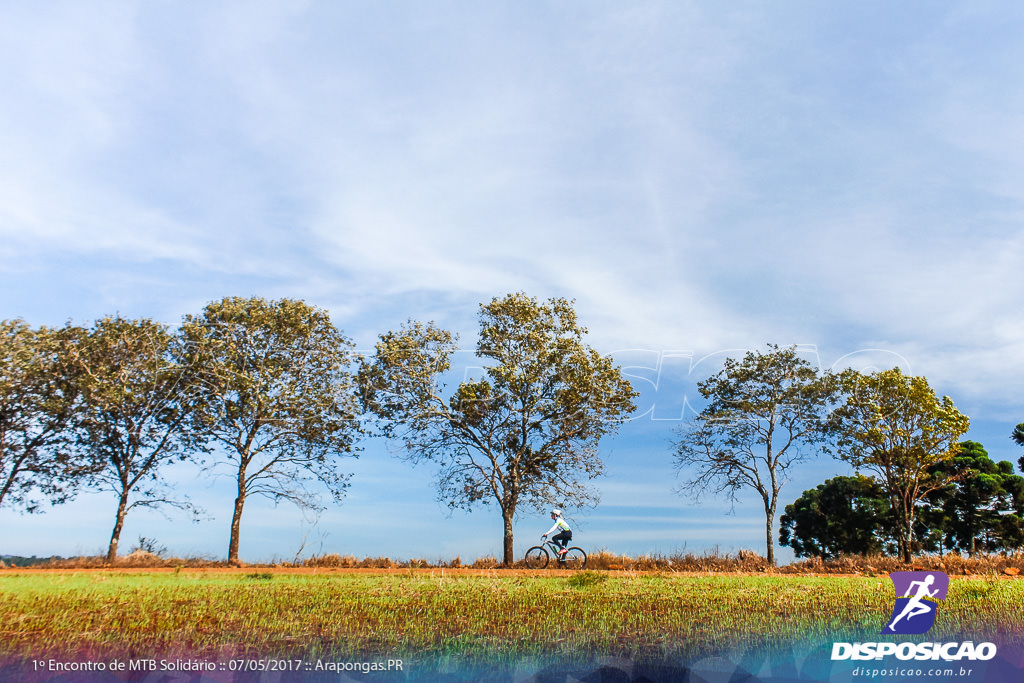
(277, 613)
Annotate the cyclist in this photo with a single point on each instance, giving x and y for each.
(564, 534)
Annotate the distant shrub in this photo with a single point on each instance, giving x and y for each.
(139, 559)
(134, 561)
(489, 562)
(379, 563)
(148, 545)
(881, 565)
(602, 559)
(333, 560)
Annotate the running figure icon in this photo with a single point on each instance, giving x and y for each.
(915, 606)
(918, 595)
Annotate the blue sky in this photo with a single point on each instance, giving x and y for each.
(702, 178)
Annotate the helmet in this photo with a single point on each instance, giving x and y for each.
(556, 512)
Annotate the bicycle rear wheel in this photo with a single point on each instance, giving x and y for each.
(574, 558)
(536, 557)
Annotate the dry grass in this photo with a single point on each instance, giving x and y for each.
(336, 561)
(954, 565)
(137, 560)
(488, 562)
(744, 561)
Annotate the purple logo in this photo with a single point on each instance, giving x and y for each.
(917, 596)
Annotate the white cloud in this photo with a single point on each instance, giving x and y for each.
(698, 177)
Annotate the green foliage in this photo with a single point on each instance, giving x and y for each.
(763, 412)
(135, 412)
(894, 427)
(276, 393)
(843, 516)
(525, 433)
(1018, 438)
(38, 396)
(981, 508)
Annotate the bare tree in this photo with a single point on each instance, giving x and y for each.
(763, 411)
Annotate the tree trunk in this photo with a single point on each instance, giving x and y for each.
(910, 532)
(905, 525)
(115, 536)
(769, 526)
(906, 542)
(236, 518)
(508, 553)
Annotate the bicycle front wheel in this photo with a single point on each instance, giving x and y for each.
(536, 557)
(574, 558)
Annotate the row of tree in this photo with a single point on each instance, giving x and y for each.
(980, 509)
(274, 395)
(769, 411)
(261, 390)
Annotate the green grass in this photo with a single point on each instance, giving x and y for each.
(110, 614)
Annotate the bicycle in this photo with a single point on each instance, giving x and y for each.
(538, 556)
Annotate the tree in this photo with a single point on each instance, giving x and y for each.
(979, 507)
(525, 433)
(843, 516)
(894, 427)
(38, 394)
(1011, 522)
(134, 413)
(762, 412)
(1018, 438)
(277, 395)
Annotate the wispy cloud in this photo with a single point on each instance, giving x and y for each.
(700, 178)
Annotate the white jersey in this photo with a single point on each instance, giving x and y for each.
(560, 525)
